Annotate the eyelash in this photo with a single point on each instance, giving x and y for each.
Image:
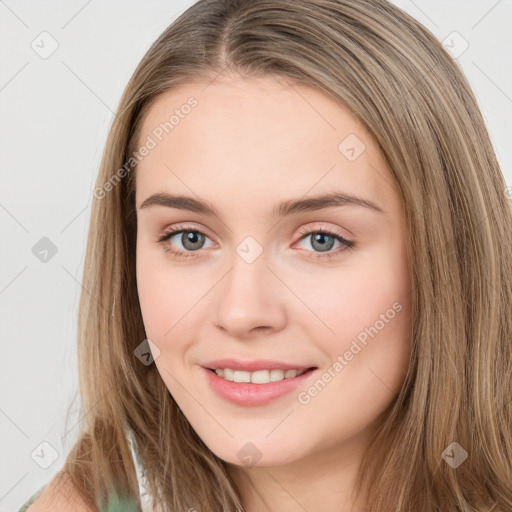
(306, 231)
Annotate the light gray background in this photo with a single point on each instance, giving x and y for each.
(55, 114)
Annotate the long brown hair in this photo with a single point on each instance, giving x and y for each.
(413, 98)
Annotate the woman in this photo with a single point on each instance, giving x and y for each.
(226, 363)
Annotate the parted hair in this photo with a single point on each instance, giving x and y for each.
(414, 100)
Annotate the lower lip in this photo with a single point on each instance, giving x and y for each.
(248, 394)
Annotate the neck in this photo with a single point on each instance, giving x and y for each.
(323, 480)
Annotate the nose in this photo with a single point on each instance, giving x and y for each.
(251, 299)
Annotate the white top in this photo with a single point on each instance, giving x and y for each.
(144, 490)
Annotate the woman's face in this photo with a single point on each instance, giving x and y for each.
(242, 169)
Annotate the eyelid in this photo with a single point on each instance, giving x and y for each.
(303, 231)
(175, 228)
(322, 228)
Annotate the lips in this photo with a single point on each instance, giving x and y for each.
(254, 365)
(250, 394)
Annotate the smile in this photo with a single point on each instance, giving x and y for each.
(256, 388)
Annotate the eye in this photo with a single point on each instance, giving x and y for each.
(324, 239)
(192, 240)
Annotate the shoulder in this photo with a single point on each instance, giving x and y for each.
(60, 495)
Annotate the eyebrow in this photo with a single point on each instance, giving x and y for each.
(286, 208)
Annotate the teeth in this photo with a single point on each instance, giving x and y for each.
(259, 376)
(276, 375)
(240, 376)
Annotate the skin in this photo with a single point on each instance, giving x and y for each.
(247, 146)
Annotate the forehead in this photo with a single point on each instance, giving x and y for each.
(264, 135)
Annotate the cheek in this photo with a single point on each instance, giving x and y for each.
(368, 356)
(161, 294)
(365, 313)
(342, 301)
(373, 326)
(171, 297)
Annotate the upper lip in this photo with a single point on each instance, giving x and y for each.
(252, 366)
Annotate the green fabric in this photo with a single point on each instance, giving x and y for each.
(120, 503)
(32, 499)
(116, 503)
